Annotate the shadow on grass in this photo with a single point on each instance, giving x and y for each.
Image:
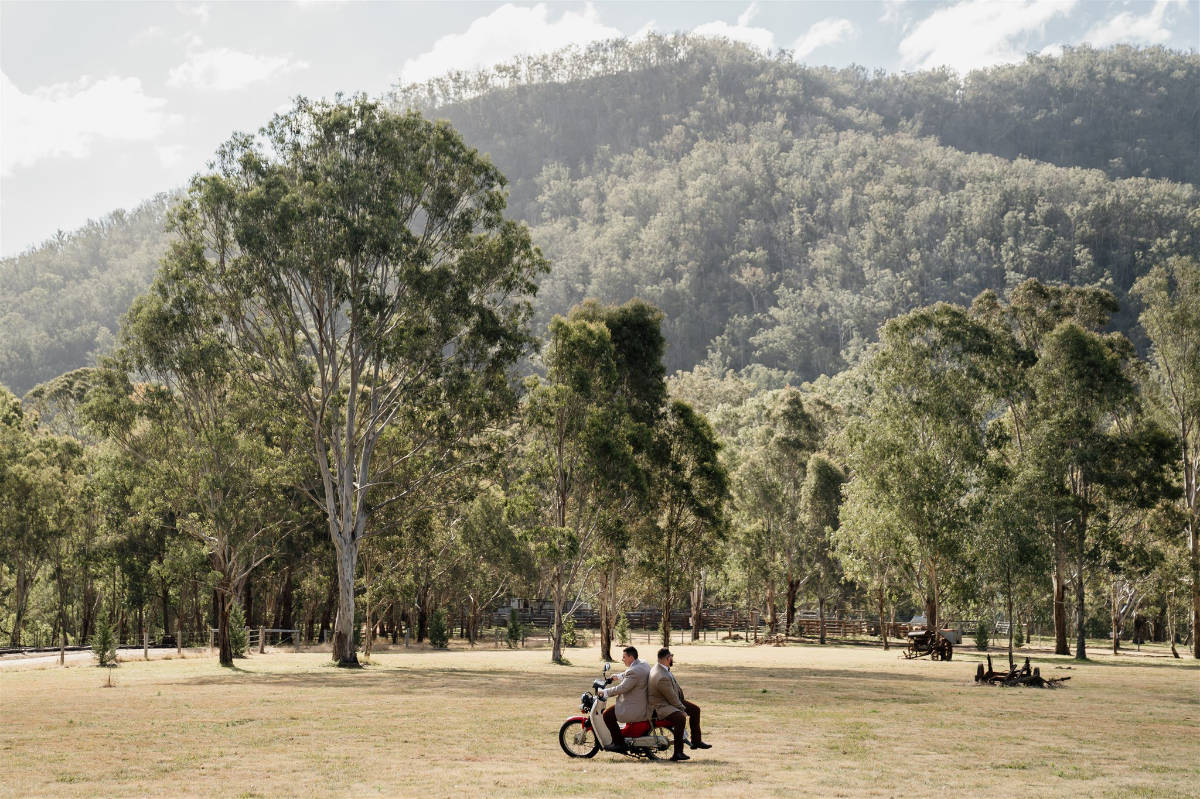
(764, 680)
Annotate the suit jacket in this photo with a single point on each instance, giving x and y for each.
(665, 695)
(630, 692)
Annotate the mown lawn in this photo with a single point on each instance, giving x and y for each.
(784, 721)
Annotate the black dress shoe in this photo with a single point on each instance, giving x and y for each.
(680, 756)
(620, 749)
(702, 746)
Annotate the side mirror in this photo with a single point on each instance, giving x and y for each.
(606, 668)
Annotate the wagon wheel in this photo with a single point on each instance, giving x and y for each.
(949, 651)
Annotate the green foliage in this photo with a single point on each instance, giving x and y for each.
(104, 643)
(515, 630)
(439, 630)
(1018, 634)
(622, 629)
(982, 635)
(239, 635)
(569, 636)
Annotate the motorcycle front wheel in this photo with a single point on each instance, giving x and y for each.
(577, 741)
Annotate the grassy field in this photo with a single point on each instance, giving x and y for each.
(784, 721)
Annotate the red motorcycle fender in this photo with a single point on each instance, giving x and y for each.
(587, 722)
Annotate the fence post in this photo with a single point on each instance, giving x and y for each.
(179, 637)
(262, 640)
(146, 643)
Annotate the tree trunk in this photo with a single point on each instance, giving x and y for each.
(931, 598)
(793, 588)
(668, 600)
(1011, 623)
(1080, 618)
(605, 620)
(771, 618)
(1194, 536)
(223, 599)
(883, 625)
(556, 629)
(1060, 596)
(697, 608)
(821, 619)
(344, 653)
(1116, 618)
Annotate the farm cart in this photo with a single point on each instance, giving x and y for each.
(928, 642)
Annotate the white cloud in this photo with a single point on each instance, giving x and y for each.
(761, 38)
(67, 119)
(1129, 28)
(891, 11)
(508, 31)
(170, 154)
(978, 33)
(823, 33)
(221, 69)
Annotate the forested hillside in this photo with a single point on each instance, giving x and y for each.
(777, 213)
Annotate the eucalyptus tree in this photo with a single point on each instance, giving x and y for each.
(582, 476)
(1170, 294)
(917, 457)
(820, 500)
(635, 330)
(689, 489)
(767, 483)
(215, 459)
(1091, 442)
(361, 269)
(1021, 327)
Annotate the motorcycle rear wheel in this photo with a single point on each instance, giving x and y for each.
(577, 741)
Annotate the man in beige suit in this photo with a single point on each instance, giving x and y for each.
(666, 700)
(632, 700)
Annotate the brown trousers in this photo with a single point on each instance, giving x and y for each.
(614, 728)
(678, 719)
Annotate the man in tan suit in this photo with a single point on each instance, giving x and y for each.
(632, 699)
(666, 700)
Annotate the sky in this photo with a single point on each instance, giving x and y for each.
(104, 104)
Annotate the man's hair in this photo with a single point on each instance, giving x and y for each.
(631, 651)
(664, 652)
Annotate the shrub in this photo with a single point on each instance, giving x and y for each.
(515, 630)
(569, 638)
(439, 630)
(623, 629)
(982, 630)
(239, 636)
(104, 644)
(1018, 636)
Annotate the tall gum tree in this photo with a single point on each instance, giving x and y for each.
(363, 267)
(1170, 294)
(917, 456)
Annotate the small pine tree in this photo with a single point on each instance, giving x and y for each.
(623, 629)
(439, 630)
(1018, 636)
(513, 633)
(982, 631)
(239, 636)
(104, 644)
(569, 638)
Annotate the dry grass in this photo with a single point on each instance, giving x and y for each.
(795, 720)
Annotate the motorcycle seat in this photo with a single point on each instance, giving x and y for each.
(635, 729)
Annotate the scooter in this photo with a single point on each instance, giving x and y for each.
(584, 735)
